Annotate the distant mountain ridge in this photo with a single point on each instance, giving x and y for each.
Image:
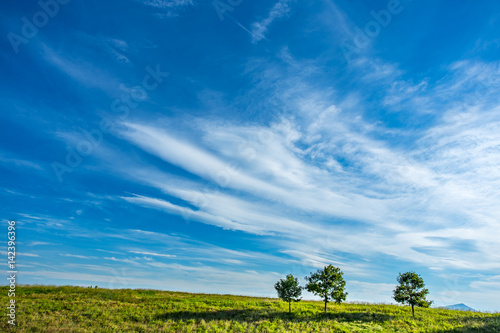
(460, 306)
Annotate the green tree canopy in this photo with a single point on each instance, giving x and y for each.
(289, 290)
(328, 283)
(411, 291)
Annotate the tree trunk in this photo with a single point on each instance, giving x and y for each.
(326, 301)
(413, 311)
(289, 307)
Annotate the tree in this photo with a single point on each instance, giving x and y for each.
(411, 291)
(289, 290)
(328, 283)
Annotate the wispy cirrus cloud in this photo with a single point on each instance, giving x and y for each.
(259, 29)
(167, 8)
(167, 3)
(319, 162)
(247, 217)
(77, 256)
(146, 253)
(274, 173)
(84, 73)
(320, 171)
(13, 160)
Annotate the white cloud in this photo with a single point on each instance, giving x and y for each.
(169, 8)
(40, 243)
(126, 260)
(146, 253)
(13, 161)
(201, 216)
(429, 191)
(80, 70)
(107, 251)
(167, 3)
(280, 181)
(77, 256)
(274, 172)
(259, 29)
(185, 248)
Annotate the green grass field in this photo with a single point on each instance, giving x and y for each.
(77, 309)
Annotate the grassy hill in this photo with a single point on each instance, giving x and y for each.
(77, 309)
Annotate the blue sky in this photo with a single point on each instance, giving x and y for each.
(218, 146)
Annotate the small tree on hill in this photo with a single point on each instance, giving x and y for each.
(289, 290)
(328, 283)
(411, 291)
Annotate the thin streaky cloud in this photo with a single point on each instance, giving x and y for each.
(260, 28)
(167, 3)
(77, 256)
(153, 254)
